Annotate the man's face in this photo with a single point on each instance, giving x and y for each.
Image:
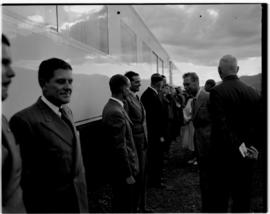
(160, 86)
(135, 83)
(166, 89)
(190, 86)
(7, 71)
(59, 88)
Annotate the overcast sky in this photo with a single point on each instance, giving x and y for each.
(196, 36)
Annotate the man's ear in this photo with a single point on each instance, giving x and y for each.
(237, 69)
(219, 71)
(44, 86)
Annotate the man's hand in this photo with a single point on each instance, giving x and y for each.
(243, 150)
(248, 152)
(162, 139)
(130, 180)
(252, 153)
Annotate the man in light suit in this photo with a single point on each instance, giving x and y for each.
(235, 112)
(119, 137)
(12, 201)
(53, 178)
(202, 125)
(136, 113)
(155, 128)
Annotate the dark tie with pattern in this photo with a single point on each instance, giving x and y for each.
(64, 117)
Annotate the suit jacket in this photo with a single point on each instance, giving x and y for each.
(154, 115)
(136, 113)
(202, 123)
(234, 109)
(12, 201)
(120, 141)
(53, 172)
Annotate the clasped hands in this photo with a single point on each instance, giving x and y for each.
(248, 152)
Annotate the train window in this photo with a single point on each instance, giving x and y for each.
(44, 15)
(160, 66)
(146, 57)
(166, 69)
(155, 63)
(128, 44)
(87, 24)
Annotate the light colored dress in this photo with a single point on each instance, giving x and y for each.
(187, 131)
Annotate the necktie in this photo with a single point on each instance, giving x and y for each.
(64, 117)
(69, 124)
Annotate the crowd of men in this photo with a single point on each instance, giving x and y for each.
(42, 165)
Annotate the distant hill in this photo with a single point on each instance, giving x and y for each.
(254, 81)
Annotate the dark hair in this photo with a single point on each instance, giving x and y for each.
(47, 68)
(5, 40)
(155, 78)
(210, 82)
(194, 77)
(131, 74)
(117, 82)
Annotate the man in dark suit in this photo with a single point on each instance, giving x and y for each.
(234, 109)
(136, 113)
(202, 125)
(118, 131)
(155, 128)
(53, 178)
(12, 201)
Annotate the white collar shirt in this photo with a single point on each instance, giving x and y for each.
(198, 93)
(117, 100)
(154, 89)
(53, 107)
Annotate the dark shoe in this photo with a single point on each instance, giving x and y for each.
(146, 210)
(192, 161)
(195, 163)
(162, 185)
(169, 187)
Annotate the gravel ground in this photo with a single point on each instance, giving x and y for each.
(183, 192)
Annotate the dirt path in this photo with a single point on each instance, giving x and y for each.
(183, 182)
(183, 196)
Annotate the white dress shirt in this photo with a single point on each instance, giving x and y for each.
(51, 106)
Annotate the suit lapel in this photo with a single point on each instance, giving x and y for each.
(77, 146)
(138, 104)
(115, 103)
(198, 103)
(7, 133)
(53, 122)
(126, 115)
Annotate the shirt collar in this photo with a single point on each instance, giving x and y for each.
(153, 89)
(132, 93)
(117, 100)
(198, 93)
(230, 77)
(51, 106)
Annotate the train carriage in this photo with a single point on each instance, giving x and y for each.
(98, 41)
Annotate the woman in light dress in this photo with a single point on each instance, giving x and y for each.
(187, 131)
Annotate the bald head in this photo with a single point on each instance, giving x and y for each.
(227, 66)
